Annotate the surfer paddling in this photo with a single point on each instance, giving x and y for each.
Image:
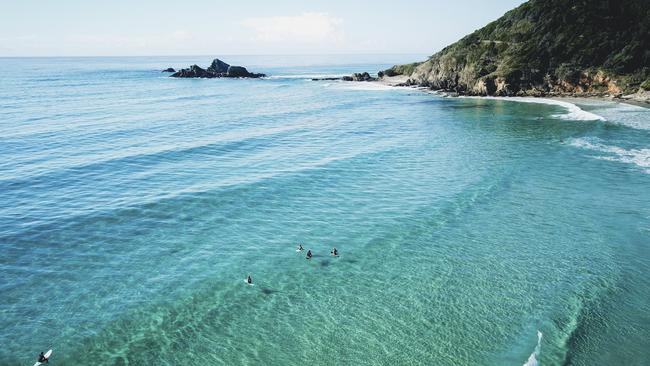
(42, 358)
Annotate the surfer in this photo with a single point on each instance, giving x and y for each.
(335, 252)
(300, 248)
(249, 280)
(309, 254)
(42, 358)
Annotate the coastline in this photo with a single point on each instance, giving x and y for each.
(643, 99)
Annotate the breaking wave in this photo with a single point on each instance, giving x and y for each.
(625, 114)
(573, 111)
(532, 360)
(638, 157)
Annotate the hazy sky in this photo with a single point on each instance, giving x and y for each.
(147, 27)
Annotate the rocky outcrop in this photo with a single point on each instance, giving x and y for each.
(357, 76)
(546, 47)
(641, 95)
(238, 72)
(328, 78)
(194, 71)
(362, 76)
(169, 69)
(217, 69)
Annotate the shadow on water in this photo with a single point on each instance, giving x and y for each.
(325, 263)
(268, 291)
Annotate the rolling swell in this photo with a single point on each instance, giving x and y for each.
(168, 200)
(221, 147)
(461, 230)
(206, 319)
(592, 315)
(235, 144)
(303, 119)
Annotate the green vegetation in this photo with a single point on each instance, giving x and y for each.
(646, 85)
(548, 45)
(406, 69)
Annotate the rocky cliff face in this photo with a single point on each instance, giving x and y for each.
(547, 47)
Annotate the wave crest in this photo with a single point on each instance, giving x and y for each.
(532, 360)
(573, 111)
(638, 157)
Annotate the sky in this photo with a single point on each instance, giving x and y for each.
(200, 27)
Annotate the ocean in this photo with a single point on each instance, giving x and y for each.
(471, 231)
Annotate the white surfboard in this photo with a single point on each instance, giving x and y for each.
(249, 284)
(46, 355)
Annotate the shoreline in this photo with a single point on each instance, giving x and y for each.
(400, 81)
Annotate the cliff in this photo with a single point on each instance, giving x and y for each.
(547, 47)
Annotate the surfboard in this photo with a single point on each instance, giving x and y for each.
(46, 355)
(249, 284)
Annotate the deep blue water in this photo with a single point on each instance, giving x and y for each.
(133, 205)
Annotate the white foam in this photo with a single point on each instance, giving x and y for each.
(626, 114)
(370, 85)
(574, 112)
(638, 157)
(532, 360)
(365, 86)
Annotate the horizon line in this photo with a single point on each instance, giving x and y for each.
(227, 54)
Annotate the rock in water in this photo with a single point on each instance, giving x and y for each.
(194, 71)
(218, 67)
(362, 76)
(169, 69)
(238, 72)
(357, 76)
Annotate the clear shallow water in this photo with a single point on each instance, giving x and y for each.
(132, 206)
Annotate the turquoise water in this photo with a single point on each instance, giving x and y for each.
(133, 206)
